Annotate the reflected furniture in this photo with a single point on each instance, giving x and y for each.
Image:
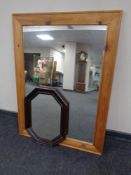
(81, 75)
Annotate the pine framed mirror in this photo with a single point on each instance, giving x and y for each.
(72, 24)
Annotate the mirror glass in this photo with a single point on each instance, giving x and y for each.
(68, 58)
(46, 114)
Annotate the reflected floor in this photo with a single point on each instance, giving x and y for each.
(82, 116)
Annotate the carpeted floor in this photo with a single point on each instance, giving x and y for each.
(22, 156)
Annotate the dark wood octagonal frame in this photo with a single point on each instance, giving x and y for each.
(64, 118)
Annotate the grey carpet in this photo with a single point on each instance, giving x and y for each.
(22, 156)
(82, 116)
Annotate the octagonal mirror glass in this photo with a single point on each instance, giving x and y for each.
(46, 114)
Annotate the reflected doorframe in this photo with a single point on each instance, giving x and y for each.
(110, 18)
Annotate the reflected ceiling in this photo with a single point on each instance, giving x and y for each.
(93, 35)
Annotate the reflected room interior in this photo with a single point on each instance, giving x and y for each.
(68, 58)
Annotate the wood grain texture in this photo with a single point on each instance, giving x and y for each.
(19, 66)
(110, 18)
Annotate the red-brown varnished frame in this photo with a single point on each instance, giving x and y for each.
(64, 116)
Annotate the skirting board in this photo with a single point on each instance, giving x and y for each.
(110, 133)
(7, 113)
(118, 135)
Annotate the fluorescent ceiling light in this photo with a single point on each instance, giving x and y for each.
(45, 37)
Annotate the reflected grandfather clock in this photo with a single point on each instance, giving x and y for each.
(81, 72)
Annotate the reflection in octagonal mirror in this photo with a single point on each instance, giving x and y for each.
(46, 115)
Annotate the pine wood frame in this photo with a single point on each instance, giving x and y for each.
(110, 18)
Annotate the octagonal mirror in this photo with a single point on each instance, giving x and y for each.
(46, 115)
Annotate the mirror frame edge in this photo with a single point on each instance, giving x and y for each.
(111, 18)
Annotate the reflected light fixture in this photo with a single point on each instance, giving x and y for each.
(45, 37)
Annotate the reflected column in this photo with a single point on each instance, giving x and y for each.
(69, 65)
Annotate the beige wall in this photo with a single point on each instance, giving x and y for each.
(120, 106)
